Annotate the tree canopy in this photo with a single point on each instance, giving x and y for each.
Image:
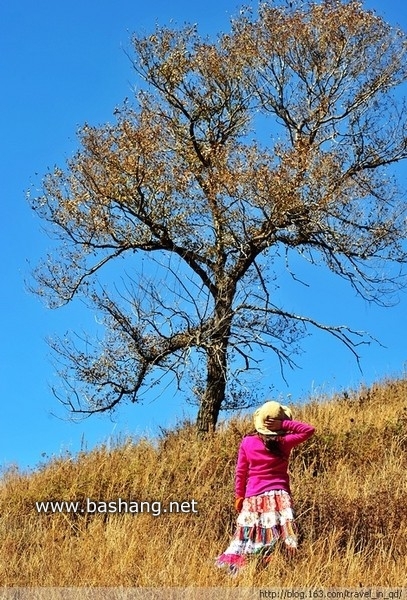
(275, 140)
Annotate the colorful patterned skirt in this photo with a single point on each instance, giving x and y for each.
(263, 520)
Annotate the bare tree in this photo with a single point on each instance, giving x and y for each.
(275, 140)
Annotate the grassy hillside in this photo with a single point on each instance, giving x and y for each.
(349, 486)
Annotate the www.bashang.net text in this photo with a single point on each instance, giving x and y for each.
(118, 506)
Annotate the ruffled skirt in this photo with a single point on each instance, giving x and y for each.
(262, 522)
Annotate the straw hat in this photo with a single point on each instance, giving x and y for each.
(272, 410)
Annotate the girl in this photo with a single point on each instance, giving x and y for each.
(262, 486)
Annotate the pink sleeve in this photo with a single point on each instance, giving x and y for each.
(297, 432)
(241, 472)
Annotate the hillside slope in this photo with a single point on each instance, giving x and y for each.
(349, 486)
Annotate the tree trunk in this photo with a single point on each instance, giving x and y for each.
(215, 388)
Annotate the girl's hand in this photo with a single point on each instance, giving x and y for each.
(273, 424)
(239, 504)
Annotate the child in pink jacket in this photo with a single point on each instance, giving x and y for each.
(262, 486)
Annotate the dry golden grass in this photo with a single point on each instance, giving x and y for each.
(348, 482)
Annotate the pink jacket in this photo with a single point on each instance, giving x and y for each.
(258, 470)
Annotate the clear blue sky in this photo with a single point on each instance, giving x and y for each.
(63, 63)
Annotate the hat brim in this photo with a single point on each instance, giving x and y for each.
(265, 431)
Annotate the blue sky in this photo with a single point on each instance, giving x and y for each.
(61, 64)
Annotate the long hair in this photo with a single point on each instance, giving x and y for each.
(271, 442)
